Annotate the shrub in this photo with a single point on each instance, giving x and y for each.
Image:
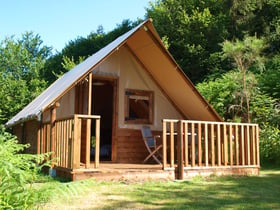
(18, 172)
(269, 144)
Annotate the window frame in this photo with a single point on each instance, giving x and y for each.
(137, 93)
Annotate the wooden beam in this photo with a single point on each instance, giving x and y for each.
(76, 147)
(97, 142)
(186, 143)
(242, 146)
(236, 140)
(192, 145)
(219, 144)
(212, 146)
(88, 129)
(230, 145)
(225, 153)
(199, 145)
(257, 145)
(180, 153)
(206, 143)
(164, 144)
(254, 144)
(248, 145)
(172, 144)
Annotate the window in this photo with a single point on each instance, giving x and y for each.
(139, 106)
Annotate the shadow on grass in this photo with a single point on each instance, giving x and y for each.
(228, 192)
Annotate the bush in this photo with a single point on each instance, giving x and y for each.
(18, 173)
(269, 144)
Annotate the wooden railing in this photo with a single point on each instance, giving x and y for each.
(63, 138)
(209, 144)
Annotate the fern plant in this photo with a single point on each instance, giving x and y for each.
(18, 172)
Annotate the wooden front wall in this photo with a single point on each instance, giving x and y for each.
(131, 147)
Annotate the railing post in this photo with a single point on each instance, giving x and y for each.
(206, 143)
(180, 154)
(192, 145)
(88, 132)
(199, 144)
(186, 143)
(242, 146)
(230, 145)
(164, 145)
(258, 146)
(248, 146)
(218, 144)
(97, 142)
(212, 145)
(172, 144)
(225, 148)
(237, 145)
(77, 142)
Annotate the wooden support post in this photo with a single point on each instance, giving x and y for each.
(206, 143)
(225, 153)
(257, 145)
(97, 142)
(219, 144)
(76, 147)
(242, 146)
(248, 146)
(180, 153)
(192, 145)
(186, 143)
(172, 144)
(88, 130)
(230, 145)
(236, 141)
(254, 144)
(164, 145)
(212, 145)
(199, 145)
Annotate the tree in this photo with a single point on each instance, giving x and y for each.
(245, 54)
(81, 48)
(194, 30)
(269, 79)
(20, 64)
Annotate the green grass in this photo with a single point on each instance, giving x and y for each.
(227, 192)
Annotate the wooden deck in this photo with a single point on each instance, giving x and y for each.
(108, 171)
(189, 148)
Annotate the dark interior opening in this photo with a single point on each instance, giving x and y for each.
(102, 104)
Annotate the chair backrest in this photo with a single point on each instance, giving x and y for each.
(148, 136)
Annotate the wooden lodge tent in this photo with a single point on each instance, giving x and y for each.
(95, 111)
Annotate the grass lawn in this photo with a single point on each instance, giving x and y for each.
(228, 192)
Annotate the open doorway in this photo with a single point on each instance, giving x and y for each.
(102, 104)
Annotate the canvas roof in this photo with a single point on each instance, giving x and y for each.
(147, 47)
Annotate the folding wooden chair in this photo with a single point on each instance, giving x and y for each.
(150, 143)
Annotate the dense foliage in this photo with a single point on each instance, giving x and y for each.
(81, 48)
(18, 172)
(195, 30)
(20, 64)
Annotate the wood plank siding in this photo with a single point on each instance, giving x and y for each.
(130, 146)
